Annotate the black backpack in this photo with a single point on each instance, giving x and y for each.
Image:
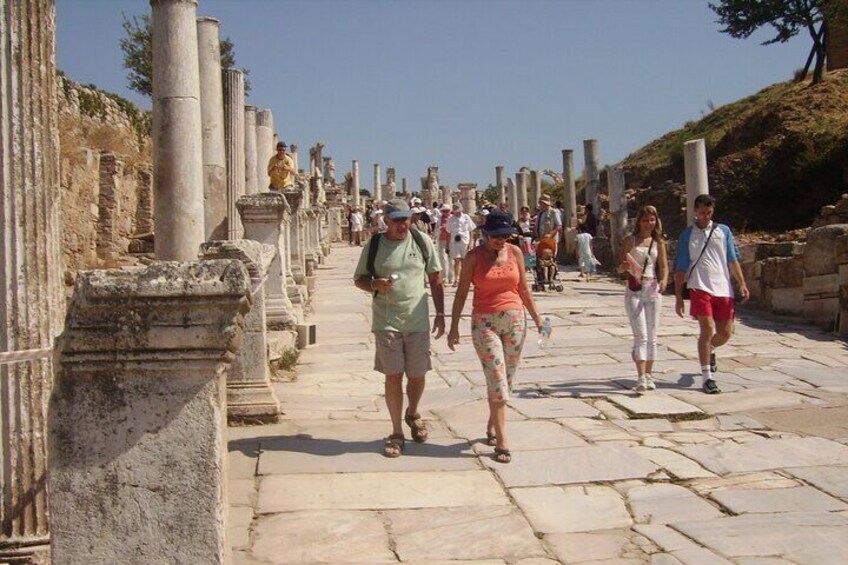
(375, 243)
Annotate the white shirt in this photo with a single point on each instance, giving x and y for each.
(712, 273)
(356, 221)
(462, 226)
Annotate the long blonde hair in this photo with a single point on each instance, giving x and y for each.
(657, 232)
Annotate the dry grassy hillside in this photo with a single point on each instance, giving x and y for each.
(774, 158)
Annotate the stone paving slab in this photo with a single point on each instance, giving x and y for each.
(654, 405)
(673, 463)
(550, 408)
(742, 401)
(371, 491)
(469, 533)
(330, 536)
(767, 455)
(832, 480)
(665, 503)
(572, 509)
(572, 465)
(814, 538)
(610, 546)
(798, 499)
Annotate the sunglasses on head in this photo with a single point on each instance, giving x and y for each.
(398, 220)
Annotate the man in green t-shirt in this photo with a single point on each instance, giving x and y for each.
(400, 316)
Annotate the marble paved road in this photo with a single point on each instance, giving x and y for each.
(756, 475)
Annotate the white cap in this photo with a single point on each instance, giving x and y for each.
(484, 212)
(416, 210)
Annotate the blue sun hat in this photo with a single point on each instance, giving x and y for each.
(397, 208)
(498, 223)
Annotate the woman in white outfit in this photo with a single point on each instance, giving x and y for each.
(643, 256)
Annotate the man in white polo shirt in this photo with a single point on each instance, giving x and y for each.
(460, 226)
(707, 257)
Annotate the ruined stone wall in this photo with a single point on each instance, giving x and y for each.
(837, 45)
(105, 177)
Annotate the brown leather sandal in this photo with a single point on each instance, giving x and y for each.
(417, 427)
(502, 455)
(491, 439)
(394, 445)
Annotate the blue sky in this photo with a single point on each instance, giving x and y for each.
(465, 85)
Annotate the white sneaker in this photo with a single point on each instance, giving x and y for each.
(641, 385)
(649, 382)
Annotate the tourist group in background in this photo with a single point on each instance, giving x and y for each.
(413, 246)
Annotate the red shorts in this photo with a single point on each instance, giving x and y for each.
(705, 304)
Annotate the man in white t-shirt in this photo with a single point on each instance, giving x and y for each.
(460, 226)
(707, 258)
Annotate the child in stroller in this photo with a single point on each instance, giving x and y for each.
(546, 268)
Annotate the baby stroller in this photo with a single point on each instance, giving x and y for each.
(545, 270)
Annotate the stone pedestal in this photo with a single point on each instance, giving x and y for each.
(212, 120)
(499, 183)
(569, 216)
(251, 182)
(32, 304)
(294, 156)
(263, 216)
(468, 197)
(695, 163)
(617, 207)
(177, 139)
(234, 146)
(250, 397)
(138, 467)
(264, 147)
(297, 251)
(592, 175)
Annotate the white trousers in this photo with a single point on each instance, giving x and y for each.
(643, 307)
(446, 261)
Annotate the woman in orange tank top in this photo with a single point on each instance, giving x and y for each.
(498, 324)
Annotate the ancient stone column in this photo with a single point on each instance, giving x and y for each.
(264, 147)
(535, 190)
(403, 186)
(390, 188)
(250, 396)
(234, 145)
(617, 206)
(520, 190)
(695, 164)
(447, 195)
(251, 181)
(212, 120)
(378, 189)
(569, 216)
(294, 156)
(137, 442)
(499, 182)
(593, 176)
(263, 217)
(177, 138)
(512, 197)
(32, 305)
(355, 189)
(468, 197)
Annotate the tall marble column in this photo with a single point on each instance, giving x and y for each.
(263, 217)
(355, 185)
(593, 176)
(499, 183)
(264, 147)
(177, 137)
(617, 206)
(535, 190)
(512, 196)
(234, 145)
(695, 163)
(569, 219)
(520, 190)
(297, 253)
(32, 307)
(447, 195)
(294, 155)
(403, 186)
(378, 189)
(212, 120)
(251, 182)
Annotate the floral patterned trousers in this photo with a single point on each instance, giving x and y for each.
(498, 339)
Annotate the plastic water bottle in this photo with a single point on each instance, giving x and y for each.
(545, 332)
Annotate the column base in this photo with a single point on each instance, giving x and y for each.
(252, 402)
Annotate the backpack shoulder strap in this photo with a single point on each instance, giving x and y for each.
(419, 240)
(372, 254)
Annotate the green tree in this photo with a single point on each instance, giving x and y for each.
(741, 18)
(491, 193)
(137, 46)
